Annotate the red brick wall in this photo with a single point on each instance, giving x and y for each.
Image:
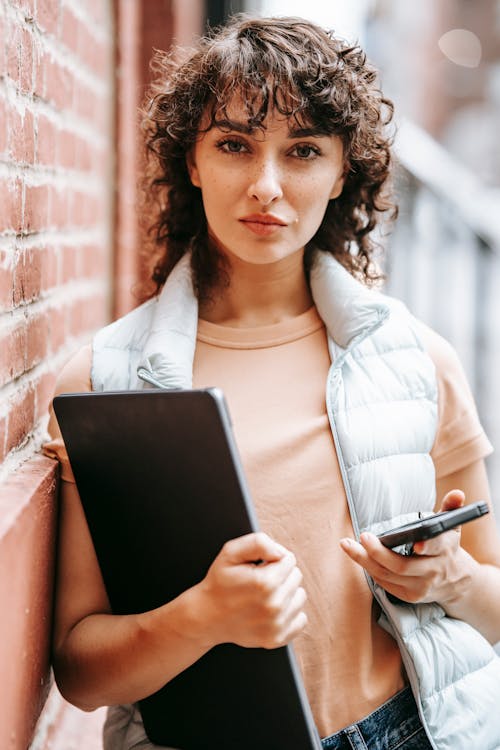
(72, 74)
(55, 201)
(56, 95)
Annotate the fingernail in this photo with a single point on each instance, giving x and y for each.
(366, 536)
(346, 543)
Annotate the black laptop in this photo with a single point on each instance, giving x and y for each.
(162, 489)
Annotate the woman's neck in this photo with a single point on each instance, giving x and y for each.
(260, 294)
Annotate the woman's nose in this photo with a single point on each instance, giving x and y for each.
(265, 184)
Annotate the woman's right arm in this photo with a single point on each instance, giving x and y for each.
(104, 659)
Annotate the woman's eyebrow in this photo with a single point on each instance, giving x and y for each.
(239, 127)
(247, 129)
(303, 132)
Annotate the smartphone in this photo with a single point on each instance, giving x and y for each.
(427, 528)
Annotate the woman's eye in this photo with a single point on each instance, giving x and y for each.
(305, 151)
(230, 146)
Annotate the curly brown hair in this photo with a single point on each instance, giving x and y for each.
(301, 71)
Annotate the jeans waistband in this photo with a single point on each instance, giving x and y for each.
(387, 727)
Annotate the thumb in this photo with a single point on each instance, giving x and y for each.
(452, 499)
(254, 547)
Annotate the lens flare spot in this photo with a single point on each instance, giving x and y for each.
(462, 47)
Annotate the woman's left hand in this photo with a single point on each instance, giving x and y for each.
(438, 571)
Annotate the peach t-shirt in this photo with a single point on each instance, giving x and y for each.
(274, 381)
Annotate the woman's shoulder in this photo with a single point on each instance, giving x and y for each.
(460, 438)
(75, 375)
(440, 350)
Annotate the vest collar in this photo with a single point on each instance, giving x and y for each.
(349, 310)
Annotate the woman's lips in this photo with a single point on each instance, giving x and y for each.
(263, 224)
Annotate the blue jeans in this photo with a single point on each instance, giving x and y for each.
(393, 726)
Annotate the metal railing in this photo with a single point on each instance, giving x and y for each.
(443, 260)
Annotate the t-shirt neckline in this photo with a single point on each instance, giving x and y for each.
(275, 334)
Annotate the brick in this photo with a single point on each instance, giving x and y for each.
(98, 10)
(26, 62)
(78, 317)
(13, 51)
(3, 437)
(49, 268)
(37, 340)
(87, 104)
(39, 72)
(57, 318)
(86, 210)
(3, 128)
(27, 6)
(78, 209)
(36, 208)
(22, 137)
(75, 210)
(47, 15)
(10, 205)
(58, 85)
(86, 158)
(46, 143)
(93, 261)
(59, 207)
(28, 276)
(6, 282)
(70, 28)
(12, 354)
(101, 164)
(69, 264)
(90, 50)
(44, 393)
(21, 419)
(3, 35)
(67, 149)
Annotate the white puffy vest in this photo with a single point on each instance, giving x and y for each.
(381, 398)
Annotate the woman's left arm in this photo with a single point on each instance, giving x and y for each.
(460, 569)
(479, 601)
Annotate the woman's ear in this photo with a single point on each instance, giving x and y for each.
(192, 169)
(338, 186)
(340, 181)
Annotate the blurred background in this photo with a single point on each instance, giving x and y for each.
(73, 74)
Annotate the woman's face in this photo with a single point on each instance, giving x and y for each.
(265, 192)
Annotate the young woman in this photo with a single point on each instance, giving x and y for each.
(270, 157)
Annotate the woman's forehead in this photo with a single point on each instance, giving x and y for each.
(247, 114)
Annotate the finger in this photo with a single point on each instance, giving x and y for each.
(438, 545)
(360, 554)
(403, 586)
(286, 592)
(384, 566)
(295, 627)
(452, 499)
(273, 576)
(441, 544)
(253, 547)
(295, 607)
(386, 558)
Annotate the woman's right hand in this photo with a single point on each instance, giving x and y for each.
(252, 594)
(103, 659)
